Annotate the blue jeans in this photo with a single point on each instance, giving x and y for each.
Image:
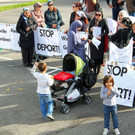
(46, 104)
(132, 13)
(115, 12)
(113, 111)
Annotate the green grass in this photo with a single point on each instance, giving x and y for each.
(3, 8)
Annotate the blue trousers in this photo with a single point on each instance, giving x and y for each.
(113, 111)
(132, 13)
(46, 104)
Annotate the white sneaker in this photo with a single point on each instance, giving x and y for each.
(117, 132)
(50, 117)
(105, 131)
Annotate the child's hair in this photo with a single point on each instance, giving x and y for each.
(42, 66)
(108, 78)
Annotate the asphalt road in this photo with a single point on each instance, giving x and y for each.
(19, 107)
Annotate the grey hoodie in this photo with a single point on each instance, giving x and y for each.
(111, 99)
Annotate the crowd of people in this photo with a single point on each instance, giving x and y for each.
(85, 17)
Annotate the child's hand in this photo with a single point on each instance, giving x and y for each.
(109, 92)
(36, 64)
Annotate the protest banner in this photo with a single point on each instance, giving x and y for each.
(124, 78)
(63, 42)
(47, 42)
(121, 55)
(9, 38)
(52, 42)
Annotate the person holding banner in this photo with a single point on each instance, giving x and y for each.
(120, 38)
(52, 16)
(25, 26)
(75, 43)
(37, 14)
(108, 94)
(98, 53)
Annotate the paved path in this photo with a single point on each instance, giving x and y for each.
(65, 7)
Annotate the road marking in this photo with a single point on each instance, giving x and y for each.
(53, 68)
(49, 67)
(53, 71)
(5, 58)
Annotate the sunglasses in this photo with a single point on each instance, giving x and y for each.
(97, 14)
(50, 5)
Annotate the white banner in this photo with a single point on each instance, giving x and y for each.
(63, 42)
(121, 55)
(48, 42)
(9, 38)
(52, 42)
(124, 78)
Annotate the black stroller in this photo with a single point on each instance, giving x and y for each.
(74, 87)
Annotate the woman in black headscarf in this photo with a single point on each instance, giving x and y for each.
(97, 54)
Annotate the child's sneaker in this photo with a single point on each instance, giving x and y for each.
(117, 132)
(105, 131)
(50, 117)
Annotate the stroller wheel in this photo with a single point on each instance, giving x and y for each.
(54, 105)
(87, 99)
(64, 108)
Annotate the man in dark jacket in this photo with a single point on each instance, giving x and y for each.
(131, 7)
(117, 6)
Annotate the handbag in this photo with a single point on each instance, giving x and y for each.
(90, 78)
(62, 23)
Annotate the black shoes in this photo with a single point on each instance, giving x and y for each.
(28, 64)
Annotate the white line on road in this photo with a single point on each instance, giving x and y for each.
(5, 58)
(53, 71)
(53, 68)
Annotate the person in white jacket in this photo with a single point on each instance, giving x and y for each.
(43, 89)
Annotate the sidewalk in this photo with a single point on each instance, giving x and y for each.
(12, 2)
(65, 7)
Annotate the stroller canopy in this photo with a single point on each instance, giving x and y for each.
(72, 62)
